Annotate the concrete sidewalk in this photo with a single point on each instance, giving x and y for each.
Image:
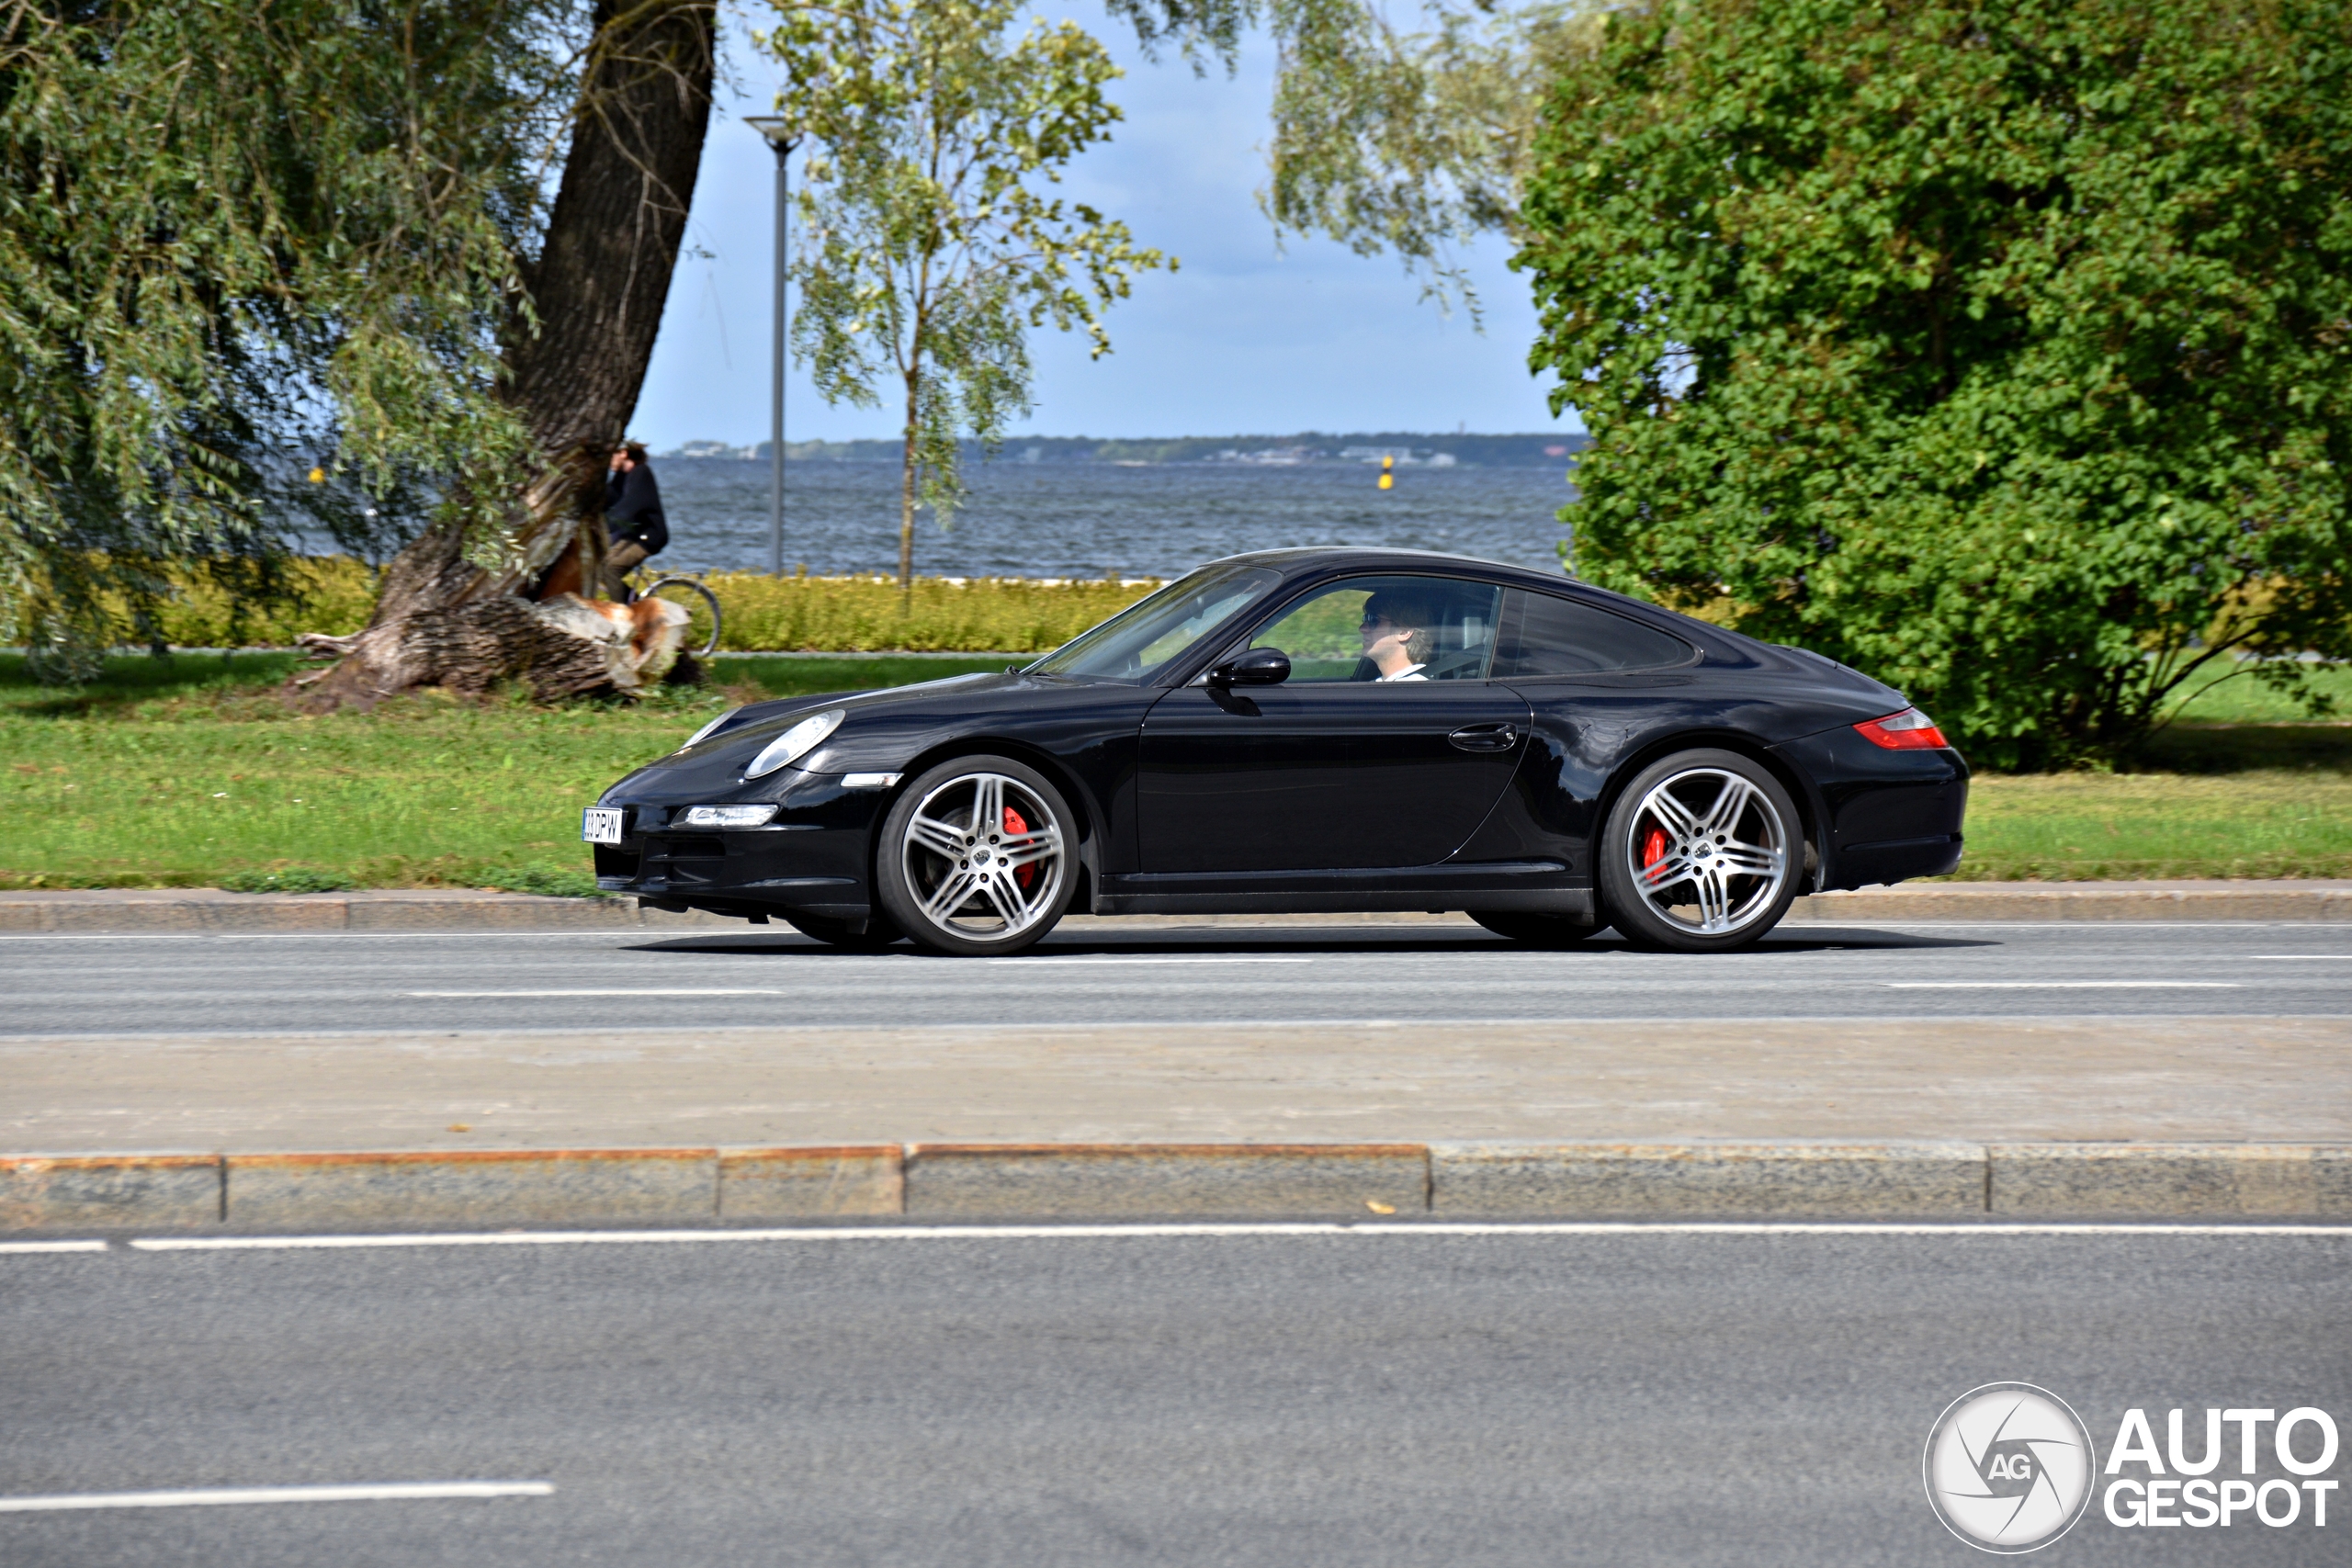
(2151, 1117)
(1980, 1079)
(210, 909)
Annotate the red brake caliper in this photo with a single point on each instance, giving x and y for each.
(1024, 874)
(1653, 848)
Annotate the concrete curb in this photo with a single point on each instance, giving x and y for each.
(1787, 1179)
(330, 1193)
(200, 909)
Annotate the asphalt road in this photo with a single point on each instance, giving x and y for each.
(126, 986)
(1352, 1400)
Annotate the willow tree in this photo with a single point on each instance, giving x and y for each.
(230, 234)
(932, 242)
(234, 234)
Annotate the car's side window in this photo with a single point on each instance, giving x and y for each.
(1390, 628)
(1546, 634)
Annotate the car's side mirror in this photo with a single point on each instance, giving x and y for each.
(1259, 666)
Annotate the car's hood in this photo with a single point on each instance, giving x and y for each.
(772, 718)
(881, 731)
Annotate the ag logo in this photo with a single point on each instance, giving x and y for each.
(2009, 1468)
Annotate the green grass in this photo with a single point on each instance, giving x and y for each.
(2241, 699)
(2241, 783)
(190, 771)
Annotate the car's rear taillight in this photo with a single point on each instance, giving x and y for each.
(1909, 730)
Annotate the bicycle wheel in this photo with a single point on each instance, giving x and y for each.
(702, 611)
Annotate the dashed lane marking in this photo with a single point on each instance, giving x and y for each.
(215, 1497)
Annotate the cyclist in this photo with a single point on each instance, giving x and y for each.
(633, 515)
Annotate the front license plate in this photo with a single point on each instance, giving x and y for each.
(601, 825)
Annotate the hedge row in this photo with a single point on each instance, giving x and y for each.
(761, 614)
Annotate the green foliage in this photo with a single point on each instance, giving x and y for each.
(292, 879)
(1413, 142)
(1997, 348)
(547, 881)
(871, 615)
(336, 595)
(234, 234)
(928, 246)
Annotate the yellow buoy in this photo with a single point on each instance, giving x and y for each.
(318, 476)
(1388, 473)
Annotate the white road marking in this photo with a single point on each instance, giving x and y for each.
(2298, 957)
(1096, 1026)
(2061, 985)
(671, 991)
(1332, 1228)
(106, 936)
(215, 1497)
(53, 1247)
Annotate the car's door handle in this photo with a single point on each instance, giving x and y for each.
(1485, 737)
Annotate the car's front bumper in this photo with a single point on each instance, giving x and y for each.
(815, 858)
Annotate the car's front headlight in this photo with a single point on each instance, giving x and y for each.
(699, 735)
(729, 815)
(795, 743)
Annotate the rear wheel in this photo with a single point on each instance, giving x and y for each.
(978, 857)
(1701, 853)
(877, 932)
(1534, 929)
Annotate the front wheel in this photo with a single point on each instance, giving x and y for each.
(1534, 930)
(1701, 853)
(978, 857)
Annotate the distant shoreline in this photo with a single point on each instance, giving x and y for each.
(1405, 449)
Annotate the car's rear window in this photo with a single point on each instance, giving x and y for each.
(1546, 634)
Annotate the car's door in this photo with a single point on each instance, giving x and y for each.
(1337, 767)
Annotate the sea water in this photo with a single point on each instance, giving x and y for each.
(1091, 519)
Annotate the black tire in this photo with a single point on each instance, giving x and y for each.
(1534, 929)
(939, 839)
(702, 611)
(1663, 853)
(878, 933)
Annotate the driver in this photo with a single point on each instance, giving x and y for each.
(1397, 638)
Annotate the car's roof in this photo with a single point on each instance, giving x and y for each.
(1312, 560)
(1309, 558)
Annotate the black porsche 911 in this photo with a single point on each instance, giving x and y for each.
(1311, 730)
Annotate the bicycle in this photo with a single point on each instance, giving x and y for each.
(699, 603)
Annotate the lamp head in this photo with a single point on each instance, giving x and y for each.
(776, 128)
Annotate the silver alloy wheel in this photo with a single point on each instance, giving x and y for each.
(963, 850)
(1720, 847)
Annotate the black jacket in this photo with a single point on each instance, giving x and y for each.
(633, 509)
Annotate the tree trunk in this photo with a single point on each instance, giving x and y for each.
(598, 284)
(907, 508)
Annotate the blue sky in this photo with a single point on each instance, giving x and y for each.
(1246, 338)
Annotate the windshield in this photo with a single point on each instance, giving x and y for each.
(1138, 642)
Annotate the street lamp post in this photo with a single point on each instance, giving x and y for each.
(781, 139)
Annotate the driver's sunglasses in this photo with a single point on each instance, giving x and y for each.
(1372, 619)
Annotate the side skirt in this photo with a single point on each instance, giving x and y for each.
(1534, 887)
